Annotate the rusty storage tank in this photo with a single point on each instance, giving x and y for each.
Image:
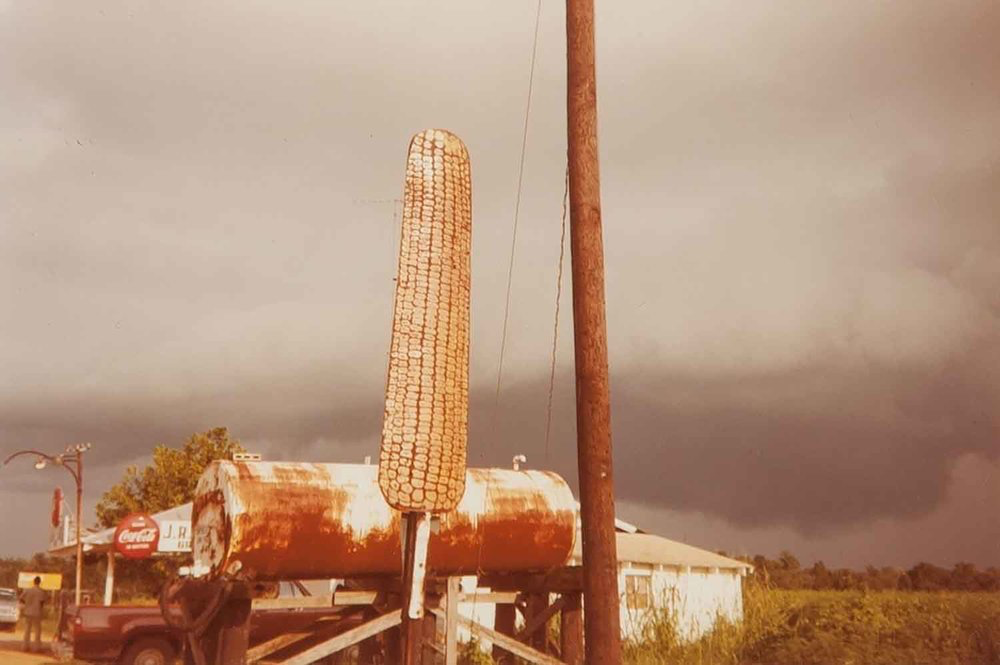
(285, 520)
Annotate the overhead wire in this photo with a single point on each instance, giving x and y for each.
(510, 266)
(555, 327)
(517, 211)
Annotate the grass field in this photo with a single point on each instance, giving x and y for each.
(841, 628)
(808, 628)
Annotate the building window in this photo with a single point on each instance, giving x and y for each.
(638, 592)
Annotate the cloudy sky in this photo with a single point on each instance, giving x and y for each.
(197, 228)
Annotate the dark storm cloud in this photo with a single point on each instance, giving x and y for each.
(290, 411)
(817, 448)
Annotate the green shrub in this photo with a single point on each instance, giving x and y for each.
(839, 628)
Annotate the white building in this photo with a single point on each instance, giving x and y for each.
(660, 578)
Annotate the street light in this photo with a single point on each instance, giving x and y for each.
(72, 457)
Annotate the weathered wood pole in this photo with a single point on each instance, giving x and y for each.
(537, 603)
(430, 642)
(571, 630)
(504, 621)
(593, 406)
(109, 579)
(410, 630)
(451, 621)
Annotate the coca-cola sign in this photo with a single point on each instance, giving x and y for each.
(137, 536)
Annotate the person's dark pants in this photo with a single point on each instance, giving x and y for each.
(29, 623)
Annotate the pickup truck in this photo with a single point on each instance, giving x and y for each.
(136, 635)
(10, 611)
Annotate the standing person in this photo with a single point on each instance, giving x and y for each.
(33, 600)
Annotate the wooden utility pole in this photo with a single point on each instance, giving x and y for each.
(593, 407)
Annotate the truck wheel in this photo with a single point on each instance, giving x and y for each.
(150, 651)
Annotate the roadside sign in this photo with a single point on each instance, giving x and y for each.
(175, 536)
(137, 536)
(50, 581)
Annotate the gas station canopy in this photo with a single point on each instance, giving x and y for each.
(175, 535)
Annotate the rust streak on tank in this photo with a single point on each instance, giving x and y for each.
(287, 520)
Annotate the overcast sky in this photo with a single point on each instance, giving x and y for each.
(800, 209)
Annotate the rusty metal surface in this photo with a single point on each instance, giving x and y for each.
(283, 520)
(425, 428)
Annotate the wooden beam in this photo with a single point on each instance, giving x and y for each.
(429, 638)
(278, 643)
(571, 630)
(369, 650)
(504, 620)
(541, 619)
(552, 647)
(491, 597)
(344, 640)
(340, 598)
(355, 597)
(291, 603)
(535, 606)
(323, 626)
(451, 599)
(109, 579)
(522, 651)
(560, 580)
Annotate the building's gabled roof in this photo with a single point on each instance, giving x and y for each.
(621, 525)
(646, 548)
(636, 545)
(652, 549)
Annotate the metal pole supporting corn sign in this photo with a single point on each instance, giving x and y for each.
(593, 406)
(425, 431)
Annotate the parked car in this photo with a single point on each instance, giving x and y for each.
(138, 635)
(10, 610)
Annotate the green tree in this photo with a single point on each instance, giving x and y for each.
(788, 561)
(169, 480)
(928, 577)
(821, 576)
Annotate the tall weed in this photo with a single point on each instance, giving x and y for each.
(837, 628)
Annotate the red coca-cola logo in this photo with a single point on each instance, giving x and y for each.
(147, 535)
(137, 536)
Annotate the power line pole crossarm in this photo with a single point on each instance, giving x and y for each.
(593, 406)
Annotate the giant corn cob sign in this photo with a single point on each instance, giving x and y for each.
(425, 431)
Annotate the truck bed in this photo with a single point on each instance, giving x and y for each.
(100, 634)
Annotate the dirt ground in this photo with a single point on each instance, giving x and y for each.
(11, 645)
(12, 655)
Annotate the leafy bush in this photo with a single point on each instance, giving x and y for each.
(840, 627)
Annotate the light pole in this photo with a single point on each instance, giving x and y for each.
(73, 457)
